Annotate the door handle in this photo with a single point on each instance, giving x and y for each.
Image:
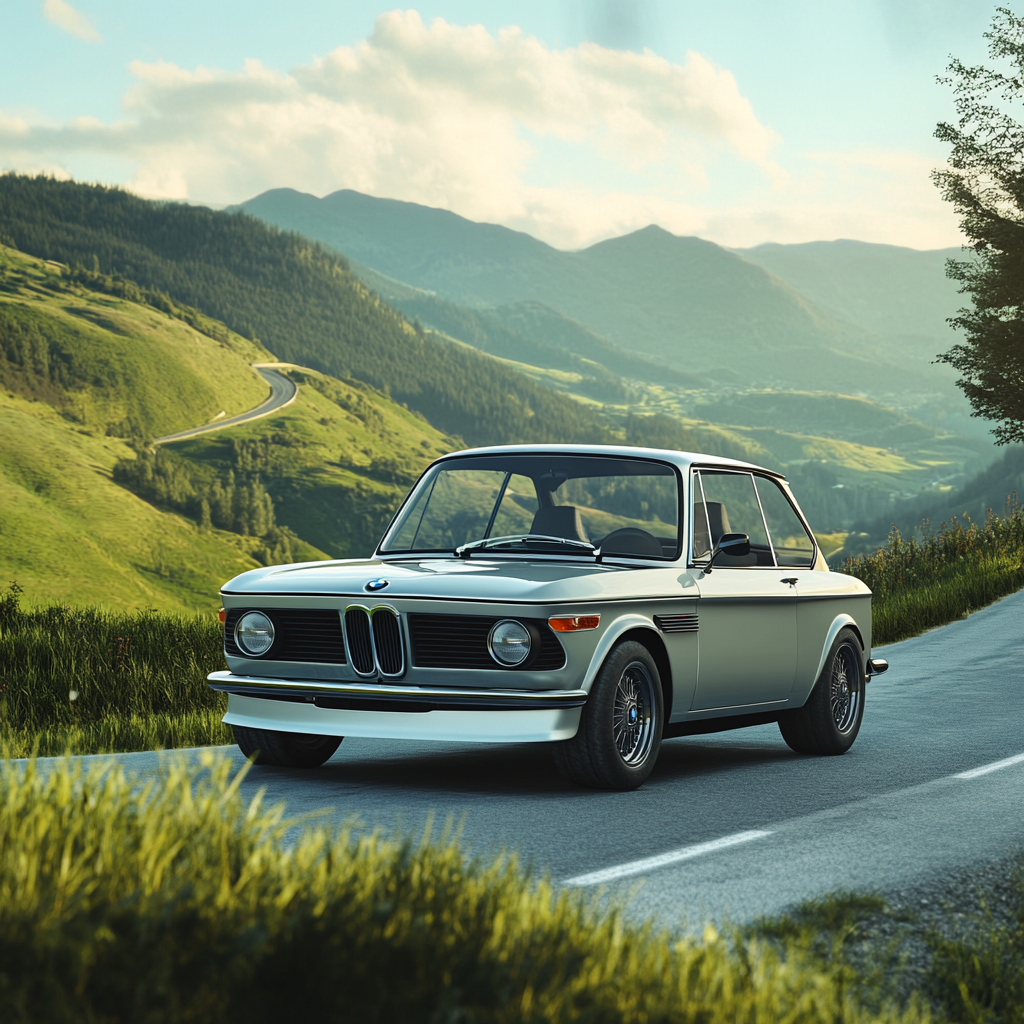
(791, 580)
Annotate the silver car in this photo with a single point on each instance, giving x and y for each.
(597, 598)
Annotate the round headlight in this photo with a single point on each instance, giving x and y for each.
(254, 633)
(509, 642)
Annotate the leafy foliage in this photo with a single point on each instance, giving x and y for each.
(985, 184)
(240, 505)
(920, 584)
(300, 300)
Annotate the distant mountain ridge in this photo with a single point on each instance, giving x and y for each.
(764, 317)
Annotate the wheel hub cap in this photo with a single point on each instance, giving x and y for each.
(633, 714)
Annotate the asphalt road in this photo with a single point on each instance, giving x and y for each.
(282, 392)
(748, 827)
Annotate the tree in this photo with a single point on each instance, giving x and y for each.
(985, 183)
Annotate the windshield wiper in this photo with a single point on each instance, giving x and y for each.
(465, 550)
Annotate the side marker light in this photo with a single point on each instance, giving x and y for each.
(222, 615)
(573, 623)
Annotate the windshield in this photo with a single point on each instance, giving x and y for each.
(622, 506)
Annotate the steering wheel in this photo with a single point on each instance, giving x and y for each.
(631, 541)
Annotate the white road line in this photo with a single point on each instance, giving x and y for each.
(994, 767)
(639, 867)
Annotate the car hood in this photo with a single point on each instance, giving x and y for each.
(470, 579)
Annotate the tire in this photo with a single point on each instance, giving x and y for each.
(830, 720)
(621, 726)
(285, 749)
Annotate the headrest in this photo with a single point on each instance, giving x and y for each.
(711, 513)
(559, 521)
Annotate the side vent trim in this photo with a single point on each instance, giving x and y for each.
(676, 623)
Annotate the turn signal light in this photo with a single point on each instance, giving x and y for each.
(222, 615)
(573, 623)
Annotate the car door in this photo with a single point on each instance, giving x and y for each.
(796, 551)
(747, 608)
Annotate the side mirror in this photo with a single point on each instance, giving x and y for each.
(737, 544)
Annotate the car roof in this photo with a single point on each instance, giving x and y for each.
(681, 459)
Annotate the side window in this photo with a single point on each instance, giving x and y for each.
(725, 502)
(793, 546)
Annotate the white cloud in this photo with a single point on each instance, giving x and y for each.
(570, 145)
(64, 16)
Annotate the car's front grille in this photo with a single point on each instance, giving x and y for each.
(360, 643)
(676, 623)
(375, 641)
(387, 642)
(301, 634)
(460, 641)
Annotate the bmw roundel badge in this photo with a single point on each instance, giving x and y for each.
(377, 584)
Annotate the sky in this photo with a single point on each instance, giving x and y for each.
(741, 121)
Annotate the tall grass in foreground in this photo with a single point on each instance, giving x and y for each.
(918, 584)
(87, 681)
(176, 901)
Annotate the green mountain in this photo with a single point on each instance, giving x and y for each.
(89, 513)
(684, 303)
(530, 332)
(887, 289)
(297, 298)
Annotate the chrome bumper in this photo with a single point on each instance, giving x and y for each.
(379, 696)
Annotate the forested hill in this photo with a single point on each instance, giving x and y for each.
(300, 301)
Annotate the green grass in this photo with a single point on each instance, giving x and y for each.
(177, 901)
(88, 681)
(919, 584)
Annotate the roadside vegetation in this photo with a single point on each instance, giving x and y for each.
(919, 584)
(955, 948)
(180, 901)
(88, 681)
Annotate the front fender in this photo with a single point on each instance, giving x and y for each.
(609, 639)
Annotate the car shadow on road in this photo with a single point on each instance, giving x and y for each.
(525, 769)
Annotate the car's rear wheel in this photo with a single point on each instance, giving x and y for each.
(830, 720)
(621, 725)
(285, 749)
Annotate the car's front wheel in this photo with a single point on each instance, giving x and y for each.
(285, 749)
(621, 725)
(830, 720)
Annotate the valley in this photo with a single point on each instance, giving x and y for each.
(132, 321)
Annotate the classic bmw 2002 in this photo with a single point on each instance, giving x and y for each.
(597, 598)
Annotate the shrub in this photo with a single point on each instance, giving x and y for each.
(918, 584)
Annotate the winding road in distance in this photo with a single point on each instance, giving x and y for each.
(737, 824)
(282, 392)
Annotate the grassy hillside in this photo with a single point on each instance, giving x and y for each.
(337, 463)
(298, 299)
(683, 302)
(68, 533)
(88, 514)
(113, 363)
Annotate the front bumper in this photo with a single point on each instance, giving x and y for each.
(387, 711)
